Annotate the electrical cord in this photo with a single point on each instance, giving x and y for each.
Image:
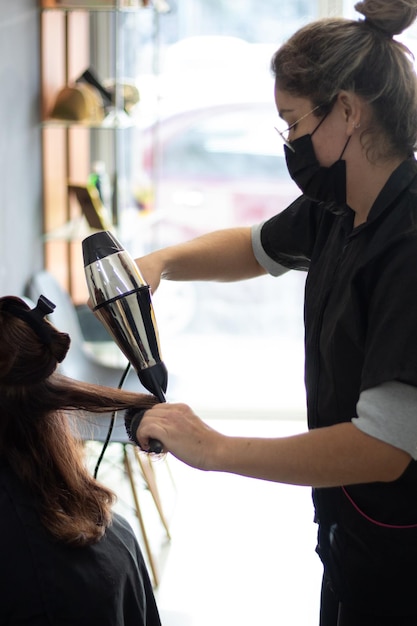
(111, 425)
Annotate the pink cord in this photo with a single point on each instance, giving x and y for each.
(373, 521)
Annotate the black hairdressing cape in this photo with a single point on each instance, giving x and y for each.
(47, 583)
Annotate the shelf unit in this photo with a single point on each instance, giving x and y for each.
(72, 42)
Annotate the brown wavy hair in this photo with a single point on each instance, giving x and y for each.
(37, 439)
(334, 54)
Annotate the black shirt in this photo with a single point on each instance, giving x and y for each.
(47, 583)
(360, 331)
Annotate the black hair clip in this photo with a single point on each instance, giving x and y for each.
(35, 317)
(43, 307)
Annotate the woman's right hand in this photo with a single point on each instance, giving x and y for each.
(182, 433)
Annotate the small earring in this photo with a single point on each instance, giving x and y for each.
(356, 126)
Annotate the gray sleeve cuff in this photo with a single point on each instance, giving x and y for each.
(389, 413)
(272, 267)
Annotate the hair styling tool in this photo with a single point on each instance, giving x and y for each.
(133, 418)
(121, 300)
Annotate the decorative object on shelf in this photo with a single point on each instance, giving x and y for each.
(79, 102)
(110, 90)
(89, 77)
(92, 207)
(99, 179)
(128, 90)
(90, 100)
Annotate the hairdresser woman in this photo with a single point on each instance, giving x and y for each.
(65, 557)
(346, 91)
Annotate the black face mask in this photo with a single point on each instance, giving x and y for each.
(318, 183)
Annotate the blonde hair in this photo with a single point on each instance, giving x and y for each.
(335, 54)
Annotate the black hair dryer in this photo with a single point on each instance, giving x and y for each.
(121, 300)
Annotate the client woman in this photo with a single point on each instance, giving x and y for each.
(66, 558)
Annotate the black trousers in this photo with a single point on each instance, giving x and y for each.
(333, 613)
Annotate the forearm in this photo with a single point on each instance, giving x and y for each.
(326, 457)
(224, 255)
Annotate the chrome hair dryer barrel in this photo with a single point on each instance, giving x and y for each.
(121, 299)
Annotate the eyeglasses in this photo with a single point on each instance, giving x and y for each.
(284, 134)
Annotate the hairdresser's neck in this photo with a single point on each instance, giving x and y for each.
(365, 182)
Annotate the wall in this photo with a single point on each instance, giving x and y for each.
(20, 145)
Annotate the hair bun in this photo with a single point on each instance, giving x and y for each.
(390, 17)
